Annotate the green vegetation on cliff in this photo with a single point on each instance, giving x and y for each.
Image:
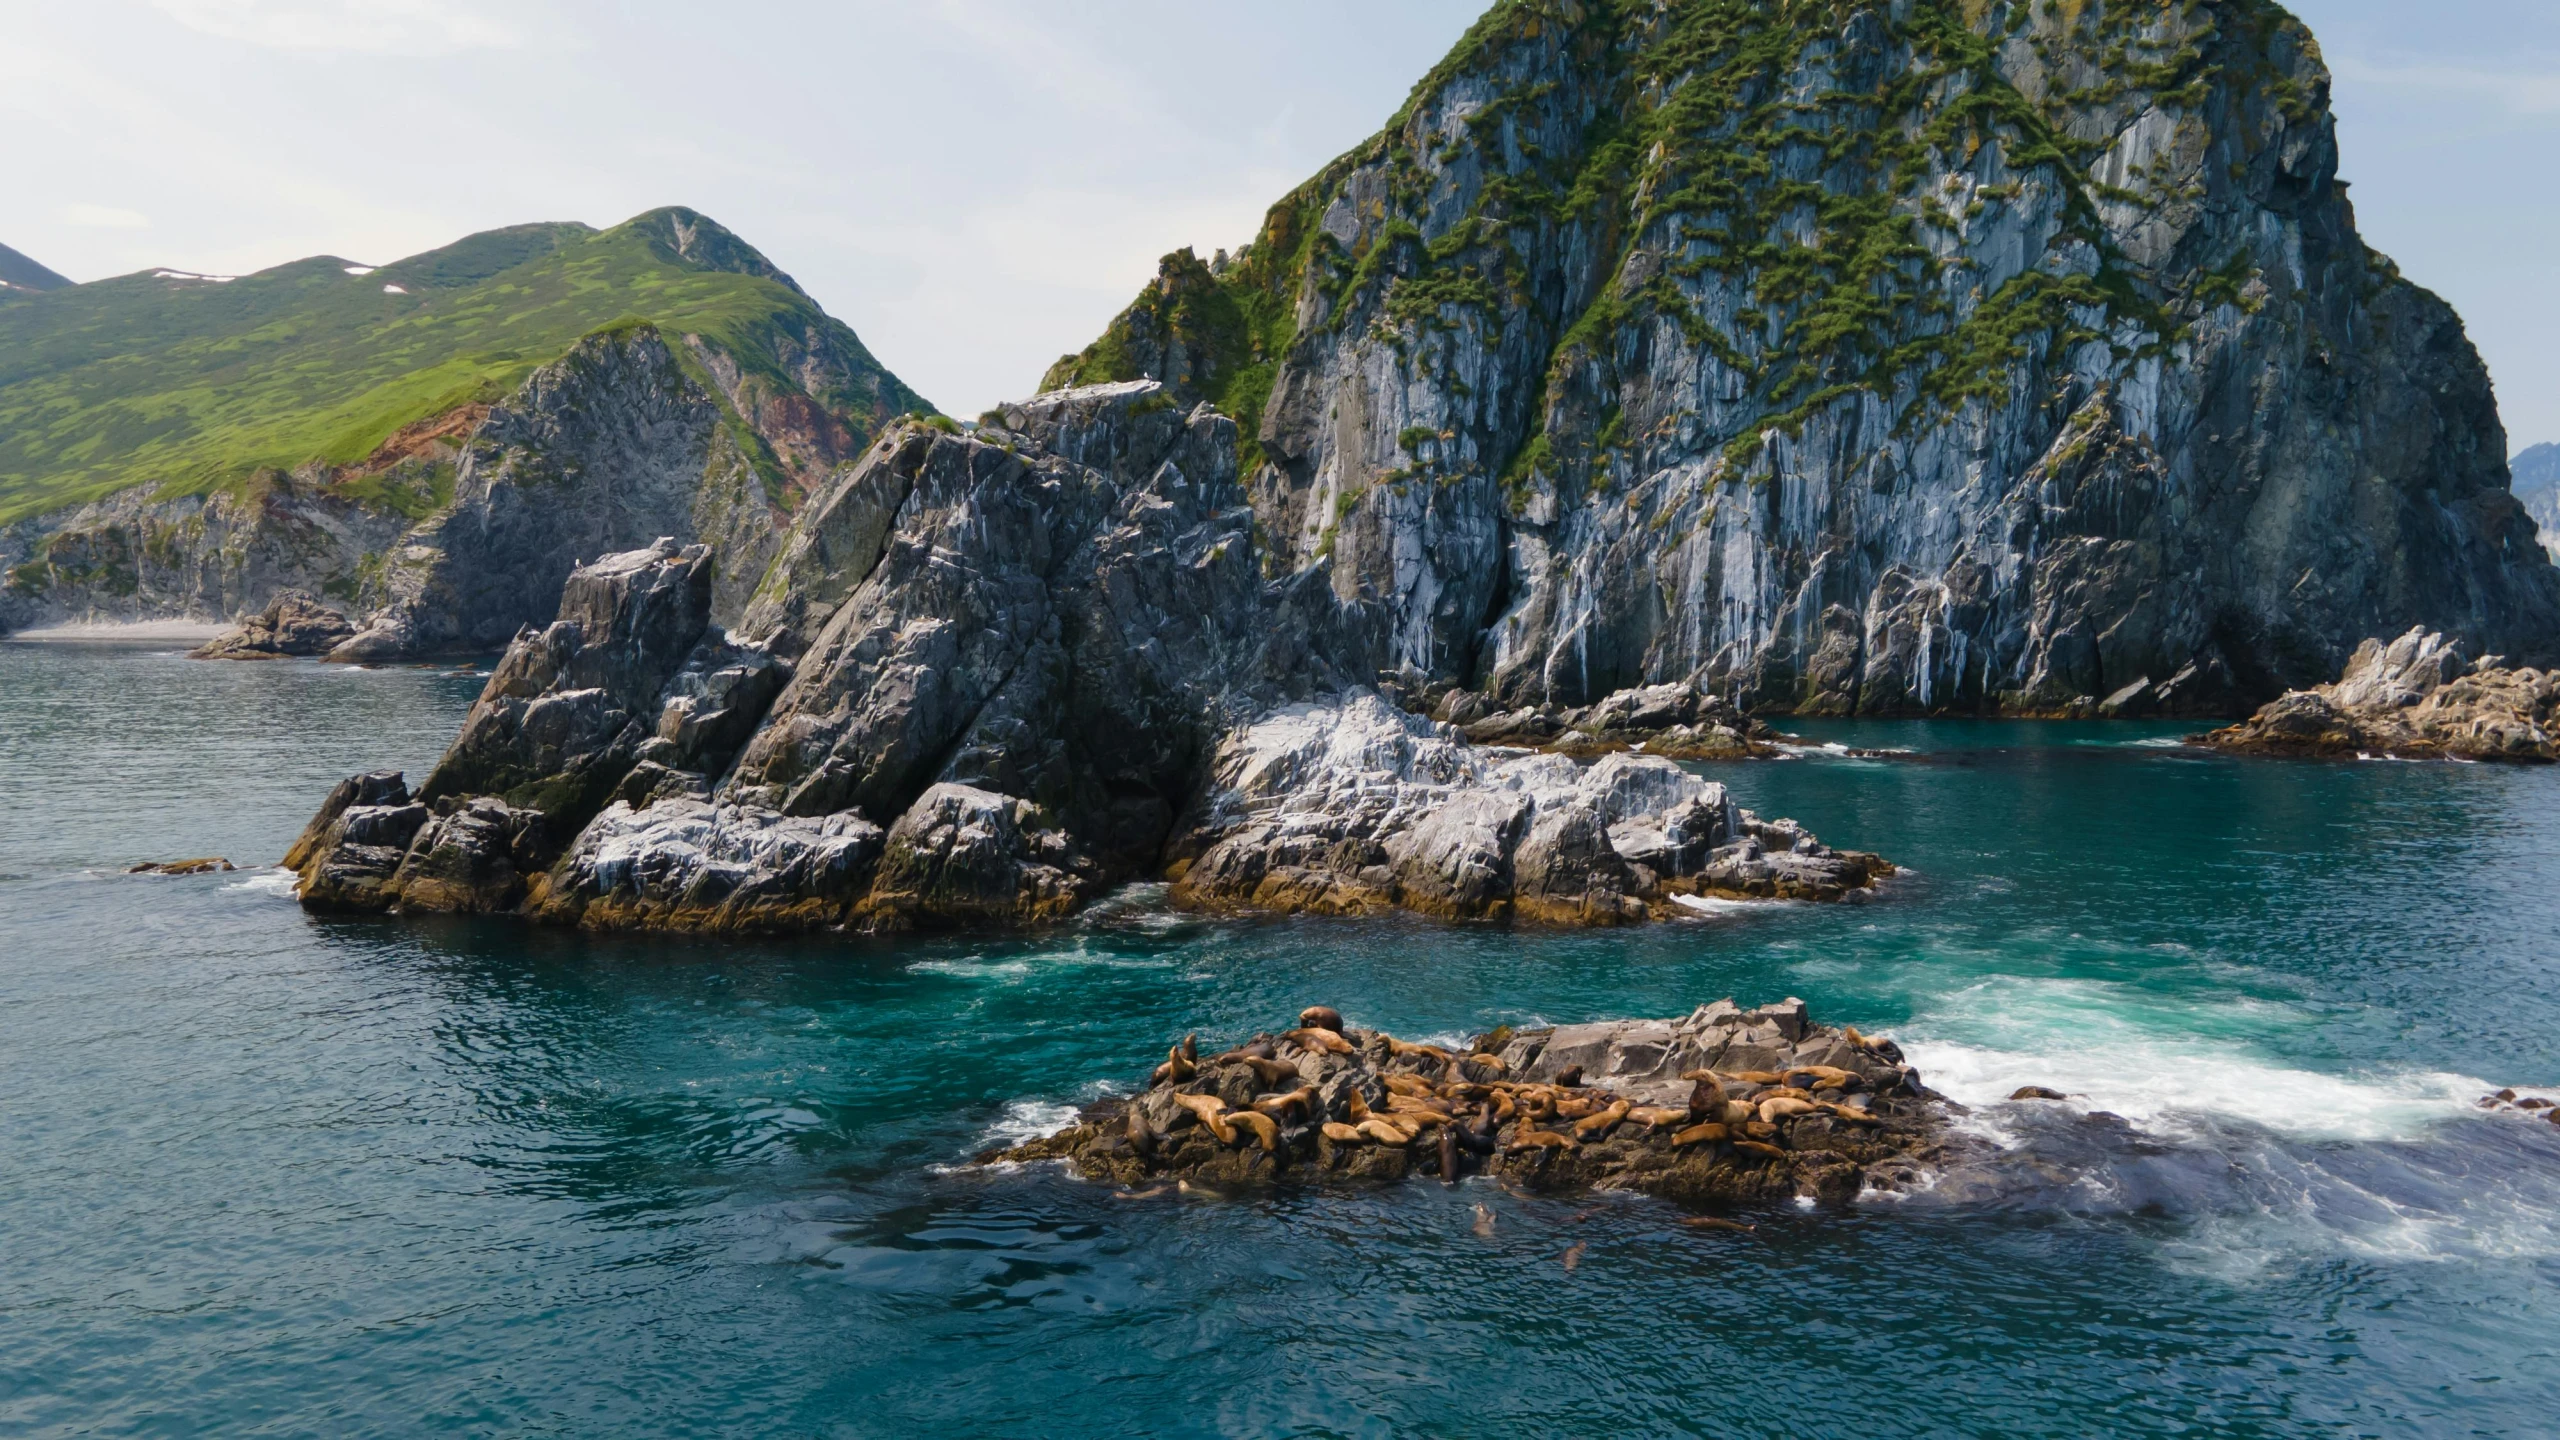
(1667, 139)
(190, 384)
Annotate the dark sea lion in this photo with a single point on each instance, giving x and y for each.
(1448, 1154)
(1142, 1135)
(2038, 1092)
(1573, 1255)
(1484, 1221)
(1569, 1077)
(1764, 1151)
(1271, 1072)
(1320, 1017)
(1706, 1101)
(1710, 1222)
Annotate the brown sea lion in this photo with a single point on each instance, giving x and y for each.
(1760, 1149)
(2037, 1092)
(1528, 1139)
(1655, 1117)
(1264, 1128)
(1142, 1135)
(1484, 1221)
(1320, 1017)
(1176, 1069)
(1419, 1052)
(1384, 1133)
(1573, 1255)
(1580, 1107)
(1710, 1222)
(1593, 1127)
(1759, 1130)
(1211, 1112)
(1486, 1059)
(1409, 1085)
(1569, 1077)
(1341, 1134)
(1738, 1112)
(1302, 1100)
(1326, 1040)
(1448, 1154)
(1708, 1134)
(1774, 1110)
(1271, 1072)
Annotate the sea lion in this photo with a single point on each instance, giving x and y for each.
(1821, 1072)
(1578, 1108)
(1142, 1194)
(1488, 1060)
(1264, 1128)
(1426, 1110)
(1419, 1052)
(1710, 1222)
(2037, 1092)
(1764, 1151)
(1759, 1130)
(1271, 1072)
(1706, 1101)
(1303, 1100)
(1484, 1221)
(1655, 1117)
(1854, 1117)
(1176, 1069)
(1409, 1085)
(1598, 1125)
(1573, 1255)
(1528, 1139)
(1774, 1110)
(1328, 1041)
(1700, 1135)
(1341, 1134)
(1738, 1112)
(1384, 1133)
(1569, 1077)
(1211, 1111)
(1142, 1135)
(1320, 1017)
(1760, 1077)
(1448, 1154)
(1480, 1142)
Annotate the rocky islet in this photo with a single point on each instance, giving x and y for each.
(2421, 696)
(1723, 1106)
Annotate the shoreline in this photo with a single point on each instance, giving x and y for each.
(191, 632)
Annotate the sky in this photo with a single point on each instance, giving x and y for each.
(977, 186)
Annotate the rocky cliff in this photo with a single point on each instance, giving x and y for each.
(1905, 357)
(992, 676)
(459, 526)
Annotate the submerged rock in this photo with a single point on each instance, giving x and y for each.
(1683, 721)
(1724, 1105)
(292, 624)
(2419, 697)
(207, 865)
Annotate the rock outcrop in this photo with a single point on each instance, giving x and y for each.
(2419, 697)
(1722, 1106)
(292, 624)
(1354, 807)
(1003, 673)
(1882, 359)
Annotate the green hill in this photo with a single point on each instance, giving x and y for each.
(189, 384)
(18, 273)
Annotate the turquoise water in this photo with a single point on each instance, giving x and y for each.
(263, 1174)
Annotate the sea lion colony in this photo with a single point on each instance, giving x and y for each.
(1724, 1106)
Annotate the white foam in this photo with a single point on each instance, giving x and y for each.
(1024, 1121)
(1721, 907)
(271, 882)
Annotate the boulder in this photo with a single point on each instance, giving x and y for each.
(292, 624)
(2420, 697)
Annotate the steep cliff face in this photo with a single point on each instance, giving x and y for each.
(709, 422)
(1895, 357)
(2537, 484)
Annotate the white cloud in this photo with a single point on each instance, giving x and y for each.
(104, 217)
(372, 27)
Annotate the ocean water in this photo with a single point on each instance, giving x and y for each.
(266, 1174)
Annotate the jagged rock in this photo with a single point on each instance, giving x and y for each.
(206, 865)
(1354, 806)
(1679, 722)
(1844, 396)
(687, 864)
(292, 624)
(566, 712)
(2421, 696)
(1063, 629)
(1784, 1108)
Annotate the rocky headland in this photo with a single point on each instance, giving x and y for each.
(991, 677)
(2419, 697)
(1722, 1106)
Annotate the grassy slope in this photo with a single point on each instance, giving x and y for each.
(190, 385)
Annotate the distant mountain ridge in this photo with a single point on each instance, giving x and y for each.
(2537, 484)
(428, 444)
(17, 273)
